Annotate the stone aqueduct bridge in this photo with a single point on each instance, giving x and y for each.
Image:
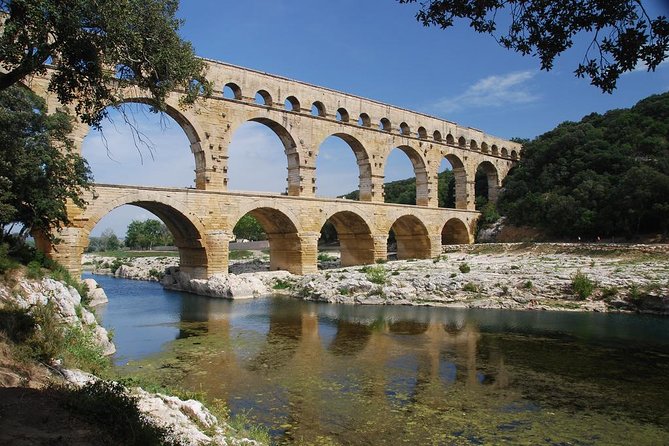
(302, 116)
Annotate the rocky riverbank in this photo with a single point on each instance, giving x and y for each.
(549, 276)
(45, 326)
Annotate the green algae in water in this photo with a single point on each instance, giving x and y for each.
(316, 375)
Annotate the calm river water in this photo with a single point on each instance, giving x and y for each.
(333, 374)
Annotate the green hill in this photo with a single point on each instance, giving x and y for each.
(607, 175)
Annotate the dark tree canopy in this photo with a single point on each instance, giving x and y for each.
(38, 169)
(95, 46)
(622, 34)
(607, 175)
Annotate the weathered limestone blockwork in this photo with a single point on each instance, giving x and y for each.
(202, 219)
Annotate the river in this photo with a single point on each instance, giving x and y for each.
(329, 374)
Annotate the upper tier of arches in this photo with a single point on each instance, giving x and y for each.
(318, 102)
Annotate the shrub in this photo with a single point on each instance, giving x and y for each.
(381, 261)
(80, 351)
(464, 268)
(282, 285)
(6, 262)
(156, 274)
(609, 293)
(108, 405)
(240, 254)
(116, 264)
(470, 287)
(582, 285)
(324, 257)
(376, 274)
(528, 285)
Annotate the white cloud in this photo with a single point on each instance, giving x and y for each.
(642, 67)
(492, 91)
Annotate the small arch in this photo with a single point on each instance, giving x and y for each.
(514, 155)
(342, 115)
(505, 152)
(437, 136)
(495, 150)
(486, 185)
(292, 104)
(473, 145)
(356, 243)
(484, 147)
(411, 237)
(405, 129)
(263, 97)
(232, 91)
(364, 120)
(420, 174)
(422, 133)
(462, 142)
(450, 139)
(458, 193)
(384, 124)
(318, 109)
(455, 232)
(284, 244)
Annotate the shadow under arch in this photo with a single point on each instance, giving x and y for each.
(420, 172)
(489, 171)
(364, 164)
(290, 149)
(412, 238)
(285, 246)
(455, 232)
(187, 231)
(355, 238)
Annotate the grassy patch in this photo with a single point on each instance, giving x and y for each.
(241, 254)
(133, 254)
(464, 268)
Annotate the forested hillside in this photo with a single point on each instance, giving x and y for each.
(607, 175)
(404, 191)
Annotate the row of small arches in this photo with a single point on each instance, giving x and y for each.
(263, 97)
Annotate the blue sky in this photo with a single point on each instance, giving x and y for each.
(374, 49)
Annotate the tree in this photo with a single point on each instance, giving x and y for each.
(98, 47)
(622, 34)
(109, 241)
(39, 171)
(249, 228)
(147, 234)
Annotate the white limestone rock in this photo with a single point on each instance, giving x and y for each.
(96, 295)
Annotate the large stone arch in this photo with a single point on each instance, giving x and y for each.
(455, 232)
(413, 238)
(191, 128)
(365, 185)
(356, 242)
(492, 178)
(188, 232)
(285, 245)
(461, 179)
(293, 156)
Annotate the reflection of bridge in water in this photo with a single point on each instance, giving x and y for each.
(306, 357)
(202, 219)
